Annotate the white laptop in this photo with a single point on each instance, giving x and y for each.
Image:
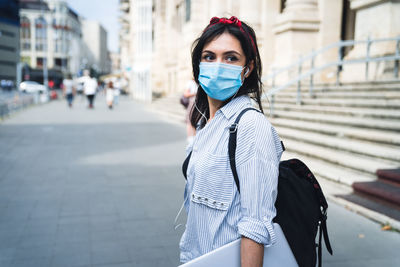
(277, 255)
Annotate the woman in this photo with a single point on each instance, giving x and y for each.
(227, 66)
(110, 95)
(69, 89)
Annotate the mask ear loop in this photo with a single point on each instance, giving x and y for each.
(244, 77)
(195, 105)
(247, 71)
(176, 225)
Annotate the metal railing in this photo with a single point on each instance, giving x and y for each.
(340, 46)
(11, 102)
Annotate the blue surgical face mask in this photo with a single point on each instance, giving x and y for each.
(220, 81)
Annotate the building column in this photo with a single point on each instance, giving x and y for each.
(295, 5)
(296, 31)
(33, 55)
(329, 32)
(269, 11)
(250, 12)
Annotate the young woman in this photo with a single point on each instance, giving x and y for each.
(227, 66)
(69, 89)
(110, 95)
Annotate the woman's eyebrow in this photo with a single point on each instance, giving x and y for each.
(232, 52)
(225, 53)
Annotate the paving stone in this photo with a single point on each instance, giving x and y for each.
(32, 263)
(106, 252)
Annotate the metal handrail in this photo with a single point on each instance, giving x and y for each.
(339, 63)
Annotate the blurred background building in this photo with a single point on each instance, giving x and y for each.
(51, 38)
(164, 30)
(55, 40)
(9, 42)
(95, 49)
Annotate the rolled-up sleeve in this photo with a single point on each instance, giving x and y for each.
(258, 170)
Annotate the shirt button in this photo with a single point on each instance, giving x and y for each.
(193, 196)
(206, 199)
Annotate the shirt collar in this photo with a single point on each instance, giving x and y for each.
(235, 105)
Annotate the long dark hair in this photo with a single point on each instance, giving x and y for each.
(252, 85)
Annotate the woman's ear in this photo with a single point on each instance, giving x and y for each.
(250, 68)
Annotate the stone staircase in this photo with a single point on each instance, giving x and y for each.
(169, 107)
(345, 134)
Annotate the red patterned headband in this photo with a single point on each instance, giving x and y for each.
(234, 21)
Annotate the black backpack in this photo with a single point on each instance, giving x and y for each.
(301, 206)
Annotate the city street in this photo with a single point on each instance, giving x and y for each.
(81, 187)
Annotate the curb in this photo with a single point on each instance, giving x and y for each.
(370, 214)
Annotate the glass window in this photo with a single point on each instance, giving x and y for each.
(41, 34)
(25, 33)
(39, 62)
(187, 14)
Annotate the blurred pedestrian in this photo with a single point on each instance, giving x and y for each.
(190, 94)
(90, 88)
(110, 94)
(117, 91)
(69, 89)
(227, 66)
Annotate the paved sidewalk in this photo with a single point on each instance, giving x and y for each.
(102, 187)
(89, 187)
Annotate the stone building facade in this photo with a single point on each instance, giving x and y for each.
(50, 34)
(9, 40)
(94, 46)
(286, 30)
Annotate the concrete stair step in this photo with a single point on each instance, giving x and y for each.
(355, 87)
(381, 190)
(388, 125)
(373, 135)
(373, 203)
(366, 103)
(329, 171)
(391, 153)
(389, 175)
(349, 160)
(343, 95)
(348, 111)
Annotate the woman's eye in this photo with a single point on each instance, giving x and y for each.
(208, 57)
(231, 58)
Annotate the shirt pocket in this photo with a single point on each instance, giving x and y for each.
(213, 185)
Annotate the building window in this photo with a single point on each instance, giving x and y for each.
(41, 34)
(39, 62)
(58, 36)
(188, 7)
(283, 5)
(58, 62)
(26, 60)
(25, 33)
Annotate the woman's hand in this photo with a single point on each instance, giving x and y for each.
(252, 253)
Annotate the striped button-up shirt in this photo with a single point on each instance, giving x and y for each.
(217, 213)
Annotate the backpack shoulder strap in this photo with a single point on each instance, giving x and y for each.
(232, 145)
(186, 164)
